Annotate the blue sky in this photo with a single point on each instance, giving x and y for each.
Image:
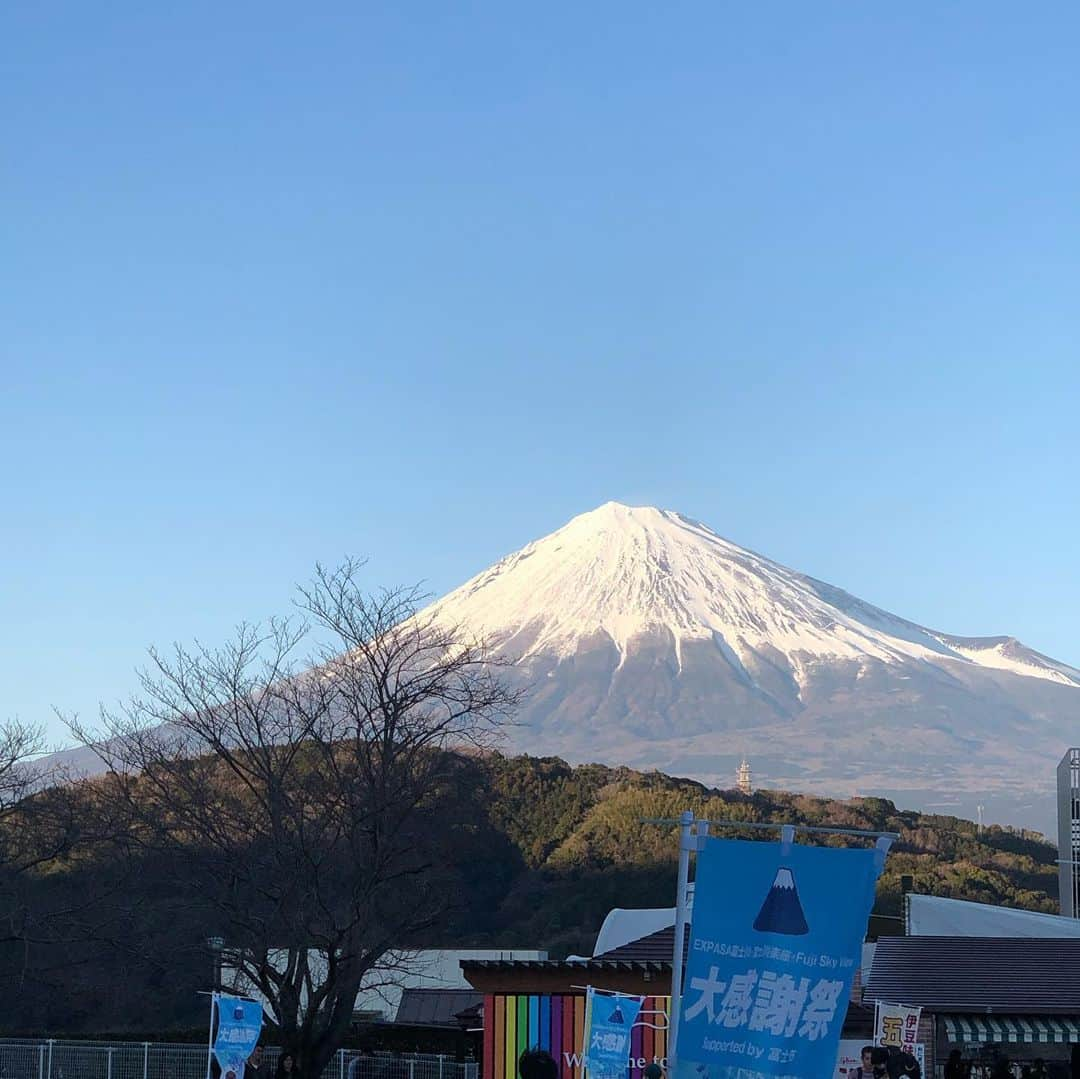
(420, 282)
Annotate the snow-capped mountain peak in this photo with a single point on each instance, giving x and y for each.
(645, 638)
(625, 571)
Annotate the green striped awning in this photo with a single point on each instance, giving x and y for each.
(1003, 1029)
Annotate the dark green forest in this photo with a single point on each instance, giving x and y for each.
(543, 853)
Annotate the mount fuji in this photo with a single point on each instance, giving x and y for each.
(646, 639)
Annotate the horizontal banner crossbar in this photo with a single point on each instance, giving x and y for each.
(821, 830)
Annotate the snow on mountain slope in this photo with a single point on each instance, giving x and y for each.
(645, 638)
(624, 571)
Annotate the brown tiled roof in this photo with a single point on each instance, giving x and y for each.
(435, 1007)
(655, 948)
(978, 974)
(651, 953)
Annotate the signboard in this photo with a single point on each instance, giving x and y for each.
(849, 1058)
(775, 941)
(896, 1026)
(557, 1023)
(238, 1028)
(609, 1018)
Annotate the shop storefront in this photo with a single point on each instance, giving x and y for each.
(986, 996)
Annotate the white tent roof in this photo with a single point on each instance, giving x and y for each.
(935, 916)
(623, 926)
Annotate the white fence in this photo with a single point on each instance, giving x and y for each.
(55, 1059)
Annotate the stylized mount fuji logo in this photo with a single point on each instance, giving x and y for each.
(782, 910)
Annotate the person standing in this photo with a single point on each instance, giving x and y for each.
(286, 1067)
(255, 1068)
(909, 1066)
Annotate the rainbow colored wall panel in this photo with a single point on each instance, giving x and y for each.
(513, 1024)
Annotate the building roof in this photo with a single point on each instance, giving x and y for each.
(650, 953)
(978, 974)
(655, 948)
(936, 916)
(435, 1007)
(623, 926)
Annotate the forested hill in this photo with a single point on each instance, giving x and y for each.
(547, 852)
(584, 847)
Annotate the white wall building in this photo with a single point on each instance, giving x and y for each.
(380, 996)
(429, 970)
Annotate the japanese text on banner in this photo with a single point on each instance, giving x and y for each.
(609, 1019)
(896, 1026)
(239, 1026)
(776, 935)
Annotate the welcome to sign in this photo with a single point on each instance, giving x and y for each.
(556, 1023)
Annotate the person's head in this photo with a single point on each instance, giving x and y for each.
(867, 1056)
(879, 1060)
(653, 1071)
(287, 1062)
(537, 1064)
(895, 1066)
(255, 1060)
(909, 1065)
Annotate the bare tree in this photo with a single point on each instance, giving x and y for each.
(20, 744)
(35, 829)
(304, 801)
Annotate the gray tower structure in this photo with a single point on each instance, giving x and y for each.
(1068, 791)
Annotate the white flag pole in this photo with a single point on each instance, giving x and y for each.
(210, 1039)
(687, 842)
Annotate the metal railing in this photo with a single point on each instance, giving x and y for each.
(53, 1058)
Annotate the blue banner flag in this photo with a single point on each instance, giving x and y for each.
(238, 1030)
(775, 940)
(608, 1020)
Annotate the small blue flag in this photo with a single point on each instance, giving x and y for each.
(608, 1020)
(239, 1026)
